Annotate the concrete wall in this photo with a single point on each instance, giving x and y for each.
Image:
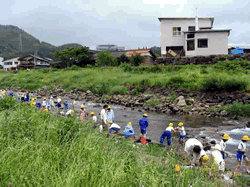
(166, 30)
(217, 44)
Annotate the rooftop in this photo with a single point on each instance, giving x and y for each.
(185, 18)
(203, 31)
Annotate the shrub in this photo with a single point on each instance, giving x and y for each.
(74, 67)
(175, 81)
(153, 102)
(219, 83)
(239, 109)
(105, 57)
(119, 90)
(169, 68)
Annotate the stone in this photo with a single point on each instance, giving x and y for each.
(223, 113)
(181, 101)
(89, 92)
(147, 97)
(96, 106)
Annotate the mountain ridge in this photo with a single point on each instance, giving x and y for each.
(10, 39)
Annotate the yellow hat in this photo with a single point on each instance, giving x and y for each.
(180, 124)
(205, 157)
(130, 123)
(92, 113)
(145, 115)
(44, 98)
(245, 137)
(226, 137)
(59, 96)
(46, 110)
(110, 122)
(171, 124)
(109, 107)
(82, 106)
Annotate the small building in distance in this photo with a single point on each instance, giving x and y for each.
(11, 63)
(147, 53)
(110, 47)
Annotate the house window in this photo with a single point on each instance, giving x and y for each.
(190, 45)
(191, 28)
(190, 36)
(176, 31)
(202, 43)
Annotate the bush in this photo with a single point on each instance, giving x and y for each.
(176, 81)
(74, 67)
(239, 109)
(170, 68)
(234, 65)
(153, 102)
(219, 83)
(105, 57)
(119, 90)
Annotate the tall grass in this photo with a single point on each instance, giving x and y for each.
(212, 78)
(39, 149)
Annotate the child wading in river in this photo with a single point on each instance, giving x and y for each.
(242, 149)
(182, 131)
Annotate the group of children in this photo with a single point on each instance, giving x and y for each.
(193, 148)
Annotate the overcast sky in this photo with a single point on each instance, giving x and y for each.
(129, 23)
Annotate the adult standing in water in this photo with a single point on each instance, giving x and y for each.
(104, 118)
(82, 113)
(110, 115)
(143, 125)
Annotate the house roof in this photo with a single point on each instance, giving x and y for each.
(12, 59)
(143, 52)
(187, 18)
(204, 31)
(30, 56)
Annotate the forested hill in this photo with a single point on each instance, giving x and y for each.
(9, 43)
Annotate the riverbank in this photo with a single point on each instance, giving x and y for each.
(168, 101)
(38, 148)
(208, 90)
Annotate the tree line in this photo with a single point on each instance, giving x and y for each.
(81, 56)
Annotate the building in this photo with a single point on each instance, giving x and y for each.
(11, 63)
(33, 62)
(111, 47)
(192, 37)
(147, 53)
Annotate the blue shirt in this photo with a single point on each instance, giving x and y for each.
(143, 123)
(129, 130)
(110, 116)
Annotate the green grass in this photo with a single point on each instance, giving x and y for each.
(39, 149)
(153, 102)
(237, 108)
(113, 80)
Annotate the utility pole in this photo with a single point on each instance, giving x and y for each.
(20, 42)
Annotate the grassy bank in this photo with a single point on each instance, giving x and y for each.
(223, 76)
(39, 149)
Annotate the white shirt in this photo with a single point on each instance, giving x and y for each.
(114, 125)
(190, 144)
(59, 100)
(242, 145)
(170, 129)
(223, 145)
(103, 115)
(182, 131)
(219, 159)
(94, 118)
(44, 103)
(68, 112)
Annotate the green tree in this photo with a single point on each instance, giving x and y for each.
(105, 57)
(124, 58)
(74, 55)
(136, 60)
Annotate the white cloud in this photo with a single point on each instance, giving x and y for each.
(170, 2)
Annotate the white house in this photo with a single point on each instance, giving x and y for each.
(193, 35)
(11, 63)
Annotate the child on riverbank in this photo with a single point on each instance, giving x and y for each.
(242, 148)
(167, 133)
(182, 131)
(223, 145)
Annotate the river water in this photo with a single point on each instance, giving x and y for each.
(196, 126)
